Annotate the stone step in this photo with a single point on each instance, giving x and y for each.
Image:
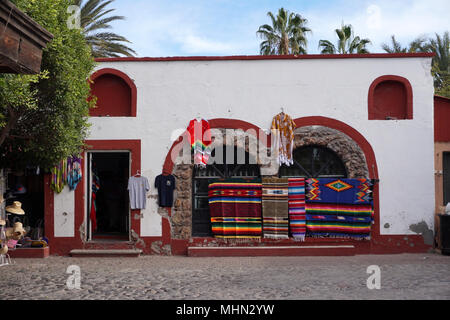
(248, 251)
(132, 253)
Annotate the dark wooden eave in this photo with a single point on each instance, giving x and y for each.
(21, 41)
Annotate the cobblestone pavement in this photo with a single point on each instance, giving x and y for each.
(405, 276)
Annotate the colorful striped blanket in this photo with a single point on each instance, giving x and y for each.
(338, 220)
(297, 215)
(343, 191)
(235, 208)
(275, 208)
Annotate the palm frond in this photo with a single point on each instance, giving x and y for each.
(95, 19)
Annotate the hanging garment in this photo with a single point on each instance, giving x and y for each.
(275, 208)
(339, 208)
(59, 176)
(166, 186)
(297, 213)
(200, 140)
(95, 188)
(283, 132)
(74, 173)
(235, 208)
(137, 188)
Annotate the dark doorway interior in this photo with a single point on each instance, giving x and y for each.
(112, 205)
(446, 169)
(27, 187)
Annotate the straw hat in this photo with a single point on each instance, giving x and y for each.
(15, 208)
(16, 232)
(4, 249)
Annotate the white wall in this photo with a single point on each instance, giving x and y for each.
(64, 208)
(171, 93)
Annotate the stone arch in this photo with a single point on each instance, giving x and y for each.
(181, 213)
(346, 148)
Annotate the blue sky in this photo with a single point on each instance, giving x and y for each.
(161, 28)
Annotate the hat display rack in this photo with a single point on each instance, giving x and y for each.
(9, 236)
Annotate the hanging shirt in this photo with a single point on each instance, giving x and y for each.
(138, 187)
(166, 186)
(200, 140)
(283, 130)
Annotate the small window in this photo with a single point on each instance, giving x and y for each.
(201, 219)
(390, 98)
(115, 92)
(314, 162)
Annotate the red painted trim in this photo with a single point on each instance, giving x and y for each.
(408, 88)
(441, 119)
(30, 253)
(125, 78)
(134, 146)
(271, 57)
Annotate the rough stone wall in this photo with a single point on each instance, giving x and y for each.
(350, 153)
(181, 218)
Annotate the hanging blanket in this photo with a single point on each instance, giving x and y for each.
(338, 220)
(342, 191)
(297, 217)
(74, 172)
(275, 208)
(235, 208)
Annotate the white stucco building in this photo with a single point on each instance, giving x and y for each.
(378, 106)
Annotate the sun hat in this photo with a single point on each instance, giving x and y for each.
(4, 249)
(15, 208)
(16, 232)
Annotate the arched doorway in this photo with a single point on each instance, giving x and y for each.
(228, 163)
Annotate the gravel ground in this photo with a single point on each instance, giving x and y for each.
(404, 276)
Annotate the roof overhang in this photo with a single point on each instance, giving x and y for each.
(21, 42)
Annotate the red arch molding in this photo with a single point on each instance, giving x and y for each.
(125, 78)
(378, 244)
(408, 88)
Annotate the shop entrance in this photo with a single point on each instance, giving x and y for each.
(108, 204)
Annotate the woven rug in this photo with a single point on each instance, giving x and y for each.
(275, 208)
(338, 220)
(297, 215)
(235, 208)
(342, 191)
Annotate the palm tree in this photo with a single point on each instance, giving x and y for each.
(395, 48)
(94, 21)
(441, 63)
(441, 47)
(286, 35)
(347, 42)
(420, 44)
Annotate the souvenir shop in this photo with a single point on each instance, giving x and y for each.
(210, 156)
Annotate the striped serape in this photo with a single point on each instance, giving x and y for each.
(275, 208)
(341, 190)
(338, 220)
(235, 208)
(297, 214)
